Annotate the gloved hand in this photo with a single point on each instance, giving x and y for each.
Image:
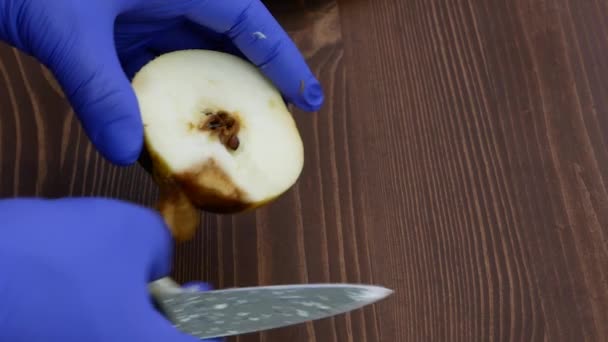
(74, 270)
(95, 46)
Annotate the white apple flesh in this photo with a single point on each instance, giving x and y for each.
(219, 135)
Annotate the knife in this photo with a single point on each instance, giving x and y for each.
(236, 311)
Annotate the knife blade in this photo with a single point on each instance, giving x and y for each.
(237, 311)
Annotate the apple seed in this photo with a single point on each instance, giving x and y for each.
(225, 126)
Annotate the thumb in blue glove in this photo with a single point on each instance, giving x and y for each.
(94, 47)
(75, 270)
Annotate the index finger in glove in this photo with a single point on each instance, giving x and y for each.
(257, 34)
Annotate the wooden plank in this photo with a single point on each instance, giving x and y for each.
(481, 129)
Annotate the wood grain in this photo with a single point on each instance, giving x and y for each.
(461, 159)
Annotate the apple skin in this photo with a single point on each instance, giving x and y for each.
(183, 196)
(181, 200)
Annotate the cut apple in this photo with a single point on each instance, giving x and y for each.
(218, 135)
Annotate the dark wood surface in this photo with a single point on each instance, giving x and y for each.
(461, 159)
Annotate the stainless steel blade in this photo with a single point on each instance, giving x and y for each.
(244, 310)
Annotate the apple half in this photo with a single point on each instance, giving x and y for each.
(218, 136)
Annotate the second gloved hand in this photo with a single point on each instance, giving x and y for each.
(74, 270)
(93, 47)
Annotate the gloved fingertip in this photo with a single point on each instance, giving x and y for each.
(294, 80)
(197, 286)
(121, 141)
(310, 96)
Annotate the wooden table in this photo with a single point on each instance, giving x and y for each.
(461, 159)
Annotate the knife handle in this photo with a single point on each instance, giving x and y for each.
(163, 288)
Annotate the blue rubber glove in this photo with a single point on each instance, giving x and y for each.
(95, 46)
(74, 270)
